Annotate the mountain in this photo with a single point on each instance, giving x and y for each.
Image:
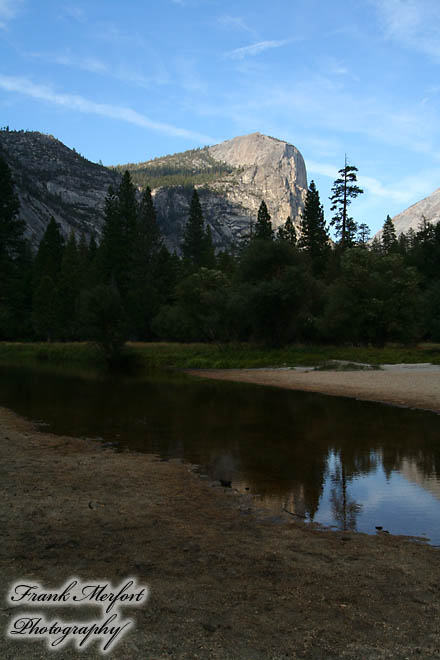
(232, 178)
(53, 180)
(428, 208)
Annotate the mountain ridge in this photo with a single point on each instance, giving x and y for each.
(232, 179)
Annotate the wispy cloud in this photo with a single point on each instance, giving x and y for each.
(75, 12)
(8, 10)
(188, 75)
(95, 65)
(254, 49)
(234, 22)
(413, 23)
(404, 191)
(77, 103)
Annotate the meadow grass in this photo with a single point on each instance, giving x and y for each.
(218, 356)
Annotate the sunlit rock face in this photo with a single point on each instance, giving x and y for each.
(268, 169)
(260, 167)
(53, 180)
(232, 178)
(428, 209)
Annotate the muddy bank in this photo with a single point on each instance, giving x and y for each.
(413, 386)
(227, 580)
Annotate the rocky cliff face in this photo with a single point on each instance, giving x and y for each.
(53, 180)
(411, 218)
(268, 169)
(232, 179)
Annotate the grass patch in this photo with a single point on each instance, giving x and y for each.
(55, 353)
(212, 356)
(239, 356)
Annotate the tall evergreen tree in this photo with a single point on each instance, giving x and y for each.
(144, 295)
(314, 237)
(148, 232)
(68, 289)
(197, 247)
(11, 228)
(119, 235)
(389, 237)
(344, 191)
(44, 316)
(49, 254)
(263, 228)
(287, 232)
(15, 261)
(363, 235)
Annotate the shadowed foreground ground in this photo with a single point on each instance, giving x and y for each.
(227, 580)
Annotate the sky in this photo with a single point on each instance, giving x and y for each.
(129, 81)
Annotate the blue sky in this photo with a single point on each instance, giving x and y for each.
(129, 81)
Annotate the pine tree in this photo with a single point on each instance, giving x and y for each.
(197, 246)
(119, 235)
(11, 228)
(314, 237)
(68, 289)
(287, 232)
(363, 235)
(15, 260)
(49, 254)
(344, 191)
(263, 228)
(148, 232)
(389, 237)
(44, 309)
(144, 297)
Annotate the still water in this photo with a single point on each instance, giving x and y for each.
(339, 462)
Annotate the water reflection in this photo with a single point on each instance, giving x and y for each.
(342, 462)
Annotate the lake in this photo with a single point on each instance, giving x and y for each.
(340, 462)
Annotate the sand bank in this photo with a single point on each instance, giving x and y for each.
(413, 386)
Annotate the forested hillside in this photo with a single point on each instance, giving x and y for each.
(275, 287)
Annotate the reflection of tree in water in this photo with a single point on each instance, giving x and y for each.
(345, 509)
(281, 444)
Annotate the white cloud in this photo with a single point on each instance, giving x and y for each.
(8, 10)
(413, 23)
(324, 169)
(404, 191)
(75, 12)
(77, 103)
(189, 77)
(235, 22)
(99, 67)
(254, 49)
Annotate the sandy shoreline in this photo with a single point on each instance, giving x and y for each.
(413, 386)
(228, 581)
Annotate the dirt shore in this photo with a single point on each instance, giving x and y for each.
(227, 580)
(409, 385)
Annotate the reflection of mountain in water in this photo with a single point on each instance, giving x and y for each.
(280, 444)
(410, 469)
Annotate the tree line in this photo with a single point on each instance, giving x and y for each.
(275, 287)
